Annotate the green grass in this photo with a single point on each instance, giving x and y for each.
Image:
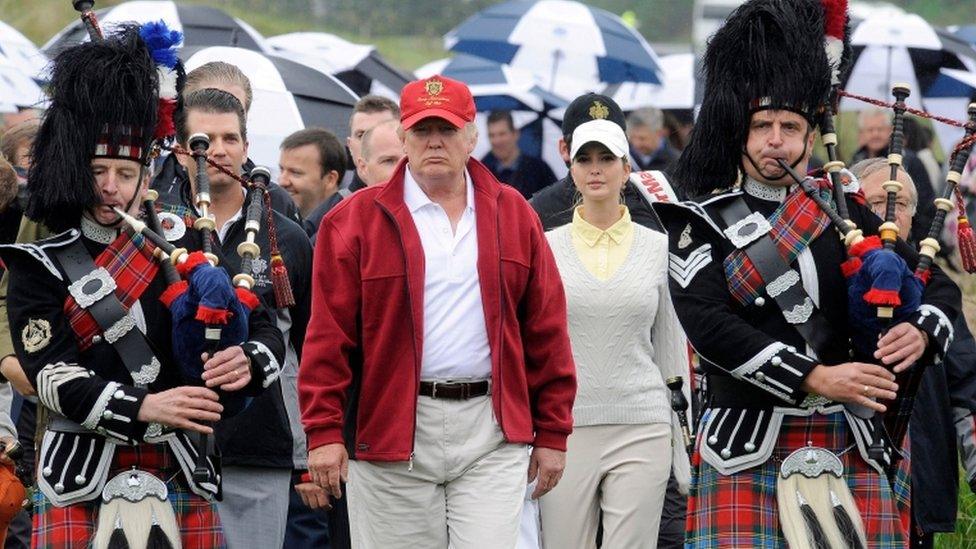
(965, 535)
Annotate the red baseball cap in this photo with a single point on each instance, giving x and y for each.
(437, 96)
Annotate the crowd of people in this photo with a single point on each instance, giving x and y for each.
(395, 344)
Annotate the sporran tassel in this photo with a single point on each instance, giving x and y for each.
(118, 541)
(844, 523)
(157, 538)
(818, 538)
(966, 238)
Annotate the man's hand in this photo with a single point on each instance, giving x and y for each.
(548, 465)
(11, 369)
(313, 495)
(854, 382)
(902, 346)
(328, 465)
(229, 369)
(183, 408)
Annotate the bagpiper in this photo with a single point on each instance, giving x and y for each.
(788, 448)
(117, 461)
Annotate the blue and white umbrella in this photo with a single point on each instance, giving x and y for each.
(562, 42)
(494, 86)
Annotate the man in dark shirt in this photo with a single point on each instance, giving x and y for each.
(648, 147)
(526, 173)
(312, 164)
(262, 445)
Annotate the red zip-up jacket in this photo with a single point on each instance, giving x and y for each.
(360, 372)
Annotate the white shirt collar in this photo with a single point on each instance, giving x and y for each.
(416, 198)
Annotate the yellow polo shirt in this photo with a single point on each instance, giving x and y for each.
(602, 252)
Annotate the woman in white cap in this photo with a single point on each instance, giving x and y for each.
(626, 341)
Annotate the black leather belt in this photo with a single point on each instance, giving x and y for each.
(454, 390)
(119, 329)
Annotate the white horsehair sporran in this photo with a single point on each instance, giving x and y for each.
(136, 513)
(816, 508)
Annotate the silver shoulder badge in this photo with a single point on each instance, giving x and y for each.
(173, 226)
(36, 335)
(685, 239)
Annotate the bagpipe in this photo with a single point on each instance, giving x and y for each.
(882, 290)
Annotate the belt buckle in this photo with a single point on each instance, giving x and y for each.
(465, 389)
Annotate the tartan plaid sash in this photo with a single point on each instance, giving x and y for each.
(797, 222)
(129, 259)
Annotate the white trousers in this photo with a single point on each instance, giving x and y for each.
(466, 486)
(620, 469)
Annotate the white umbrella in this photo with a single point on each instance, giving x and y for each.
(288, 97)
(17, 89)
(890, 48)
(360, 66)
(21, 52)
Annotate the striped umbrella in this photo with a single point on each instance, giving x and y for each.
(200, 25)
(359, 66)
(559, 41)
(288, 96)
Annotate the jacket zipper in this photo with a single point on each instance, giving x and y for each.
(416, 392)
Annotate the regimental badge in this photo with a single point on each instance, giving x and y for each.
(599, 111)
(173, 226)
(36, 335)
(434, 87)
(685, 240)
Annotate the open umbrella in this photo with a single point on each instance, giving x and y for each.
(288, 96)
(558, 40)
(359, 66)
(200, 25)
(889, 49)
(21, 52)
(677, 91)
(17, 89)
(494, 86)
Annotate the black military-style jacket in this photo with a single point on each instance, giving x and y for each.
(92, 395)
(755, 361)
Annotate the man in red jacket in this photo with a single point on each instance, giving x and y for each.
(437, 347)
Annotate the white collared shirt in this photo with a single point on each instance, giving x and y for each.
(455, 337)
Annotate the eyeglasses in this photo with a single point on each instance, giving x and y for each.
(901, 206)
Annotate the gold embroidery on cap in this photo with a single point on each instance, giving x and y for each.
(36, 335)
(599, 111)
(434, 87)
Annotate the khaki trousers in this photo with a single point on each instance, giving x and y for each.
(465, 488)
(622, 470)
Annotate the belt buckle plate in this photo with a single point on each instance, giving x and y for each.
(465, 388)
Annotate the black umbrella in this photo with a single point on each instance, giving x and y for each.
(201, 25)
(288, 96)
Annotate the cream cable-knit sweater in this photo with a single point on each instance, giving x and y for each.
(625, 336)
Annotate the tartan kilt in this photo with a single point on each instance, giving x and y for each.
(740, 510)
(73, 527)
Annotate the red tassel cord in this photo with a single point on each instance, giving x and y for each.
(965, 236)
(284, 297)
